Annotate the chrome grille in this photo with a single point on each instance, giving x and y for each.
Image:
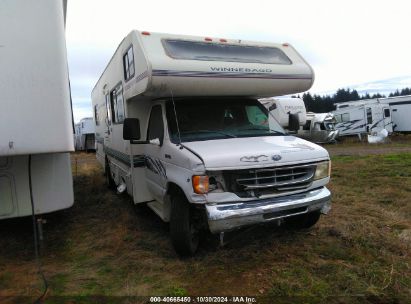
(256, 182)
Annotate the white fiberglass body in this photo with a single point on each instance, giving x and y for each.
(36, 116)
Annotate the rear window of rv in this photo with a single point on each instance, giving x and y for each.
(197, 50)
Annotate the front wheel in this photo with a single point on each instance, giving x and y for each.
(184, 233)
(109, 179)
(303, 221)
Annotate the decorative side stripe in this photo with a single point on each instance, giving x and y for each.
(229, 75)
(138, 160)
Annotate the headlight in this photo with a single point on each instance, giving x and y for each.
(200, 184)
(323, 170)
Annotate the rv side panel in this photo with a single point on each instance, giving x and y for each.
(34, 84)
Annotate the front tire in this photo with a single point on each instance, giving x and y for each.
(109, 179)
(183, 231)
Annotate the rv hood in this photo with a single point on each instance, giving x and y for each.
(256, 152)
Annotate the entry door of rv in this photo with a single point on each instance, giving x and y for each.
(387, 119)
(156, 174)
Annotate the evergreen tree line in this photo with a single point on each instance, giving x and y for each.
(326, 103)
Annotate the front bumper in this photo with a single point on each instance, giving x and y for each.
(229, 216)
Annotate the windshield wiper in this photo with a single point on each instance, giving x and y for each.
(209, 131)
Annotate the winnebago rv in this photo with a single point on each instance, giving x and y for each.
(400, 109)
(182, 130)
(36, 131)
(362, 117)
(85, 137)
(315, 127)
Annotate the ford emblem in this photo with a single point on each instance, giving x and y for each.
(276, 157)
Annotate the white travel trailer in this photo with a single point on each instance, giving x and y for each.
(400, 108)
(282, 108)
(85, 134)
(362, 117)
(315, 127)
(179, 127)
(35, 169)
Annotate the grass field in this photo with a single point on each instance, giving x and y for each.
(359, 253)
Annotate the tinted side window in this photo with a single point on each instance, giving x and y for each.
(96, 117)
(369, 116)
(387, 113)
(117, 105)
(128, 64)
(156, 124)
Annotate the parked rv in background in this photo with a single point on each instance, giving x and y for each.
(319, 128)
(181, 132)
(400, 109)
(362, 117)
(36, 133)
(315, 127)
(85, 135)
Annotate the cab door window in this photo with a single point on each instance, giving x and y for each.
(156, 124)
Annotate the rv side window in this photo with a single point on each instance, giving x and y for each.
(117, 104)
(156, 124)
(96, 118)
(345, 117)
(369, 116)
(307, 125)
(387, 113)
(108, 107)
(128, 64)
(198, 50)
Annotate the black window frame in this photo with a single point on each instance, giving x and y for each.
(127, 64)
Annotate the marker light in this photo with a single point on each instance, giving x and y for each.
(208, 39)
(145, 33)
(285, 44)
(223, 40)
(200, 184)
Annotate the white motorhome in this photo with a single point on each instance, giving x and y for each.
(315, 127)
(179, 127)
(400, 109)
(35, 169)
(362, 117)
(85, 134)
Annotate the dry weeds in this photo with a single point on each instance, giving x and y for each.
(359, 253)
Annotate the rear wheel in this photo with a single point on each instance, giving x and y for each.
(184, 233)
(303, 221)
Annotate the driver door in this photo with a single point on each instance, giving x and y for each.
(155, 171)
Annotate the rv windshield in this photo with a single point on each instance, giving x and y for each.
(206, 119)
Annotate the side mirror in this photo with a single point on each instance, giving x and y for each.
(131, 129)
(272, 107)
(293, 122)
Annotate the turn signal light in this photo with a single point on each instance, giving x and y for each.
(200, 184)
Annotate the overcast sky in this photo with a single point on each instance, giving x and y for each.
(346, 42)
